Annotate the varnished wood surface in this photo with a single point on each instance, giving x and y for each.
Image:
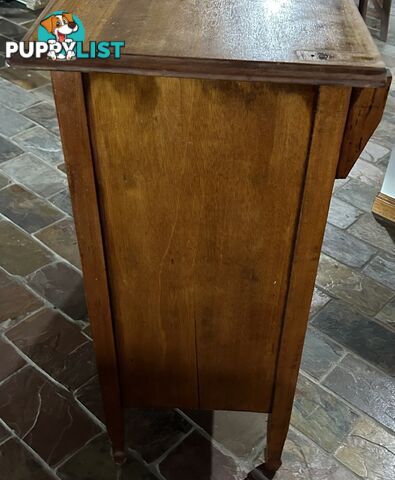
(365, 113)
(199, 209)
(305, 41)
(80, 171)
(329, 124)
(384, 207)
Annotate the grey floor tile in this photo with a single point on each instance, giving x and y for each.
(11, 30)
(35, 174)
(42, 143)
(17, 463)
(358, 193)
(62, 286)
(44, 114)
(321, 416)
(352, 286)
(342, 214)
(16, 12)
(26, 209)
(197, 459)
(369, 229)
(95, 461)
(369, 451)
(62, 200)
(319, 354)
(12, 122)
(20, 254)
(16, 97)
(45, 93)
(8, 149)
(374, 152)
(304, 460)
(27, 79)
(382, 269)
(320, 299)
(61, 238)
(4, 181)
(368, 173)
(349, 250)
(387, 314)
(360, 334)
(367, 388)
(242, 433)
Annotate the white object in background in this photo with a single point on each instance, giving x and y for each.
(384, 205)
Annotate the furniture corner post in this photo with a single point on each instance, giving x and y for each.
(74, 129)
(327, 134)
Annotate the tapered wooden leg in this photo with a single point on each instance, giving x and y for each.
(329, 124)
(76, 142)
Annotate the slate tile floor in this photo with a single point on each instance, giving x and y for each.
(51, 421)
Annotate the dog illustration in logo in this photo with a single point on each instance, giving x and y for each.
(60, 26)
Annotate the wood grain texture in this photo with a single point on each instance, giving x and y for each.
(199, 209)
(80, 171)
(305, 41)
(366, 110)
(329, 124)
(384, 207)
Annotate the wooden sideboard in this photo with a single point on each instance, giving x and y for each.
(201, 166)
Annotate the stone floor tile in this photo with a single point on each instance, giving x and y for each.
(62, 286)
(45, 93)
(385, 134)
(352, 286)
(2, 60)
(17, 463)
(369, 229)
(8, 149)
(56, 346)
(319, 354)
(358, 193)
(4, 181)
(52, 424)
(374, 152)
(63, 168)
(15, 300)
(152, 432)
(42, 143)
(27, 79)
(12, 122)
(321, 416)
(382, 269)
(11, 30)
(242, 433)
(358, 333)
(15, 97)
(94, 462)
(4, 434)
(62, 200)
(342, 246)
(387, 314)
(15, 12)
(44, 114)
(339, 182)
(61, 238)
(26, 209)
(342, 214)
(320, 299)
(197, 459)
(369, 451)
(19, 253)
(367, 388)
(303, 460)
(35, 174)
(90, 396)
(368, 173)
(10, 362)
